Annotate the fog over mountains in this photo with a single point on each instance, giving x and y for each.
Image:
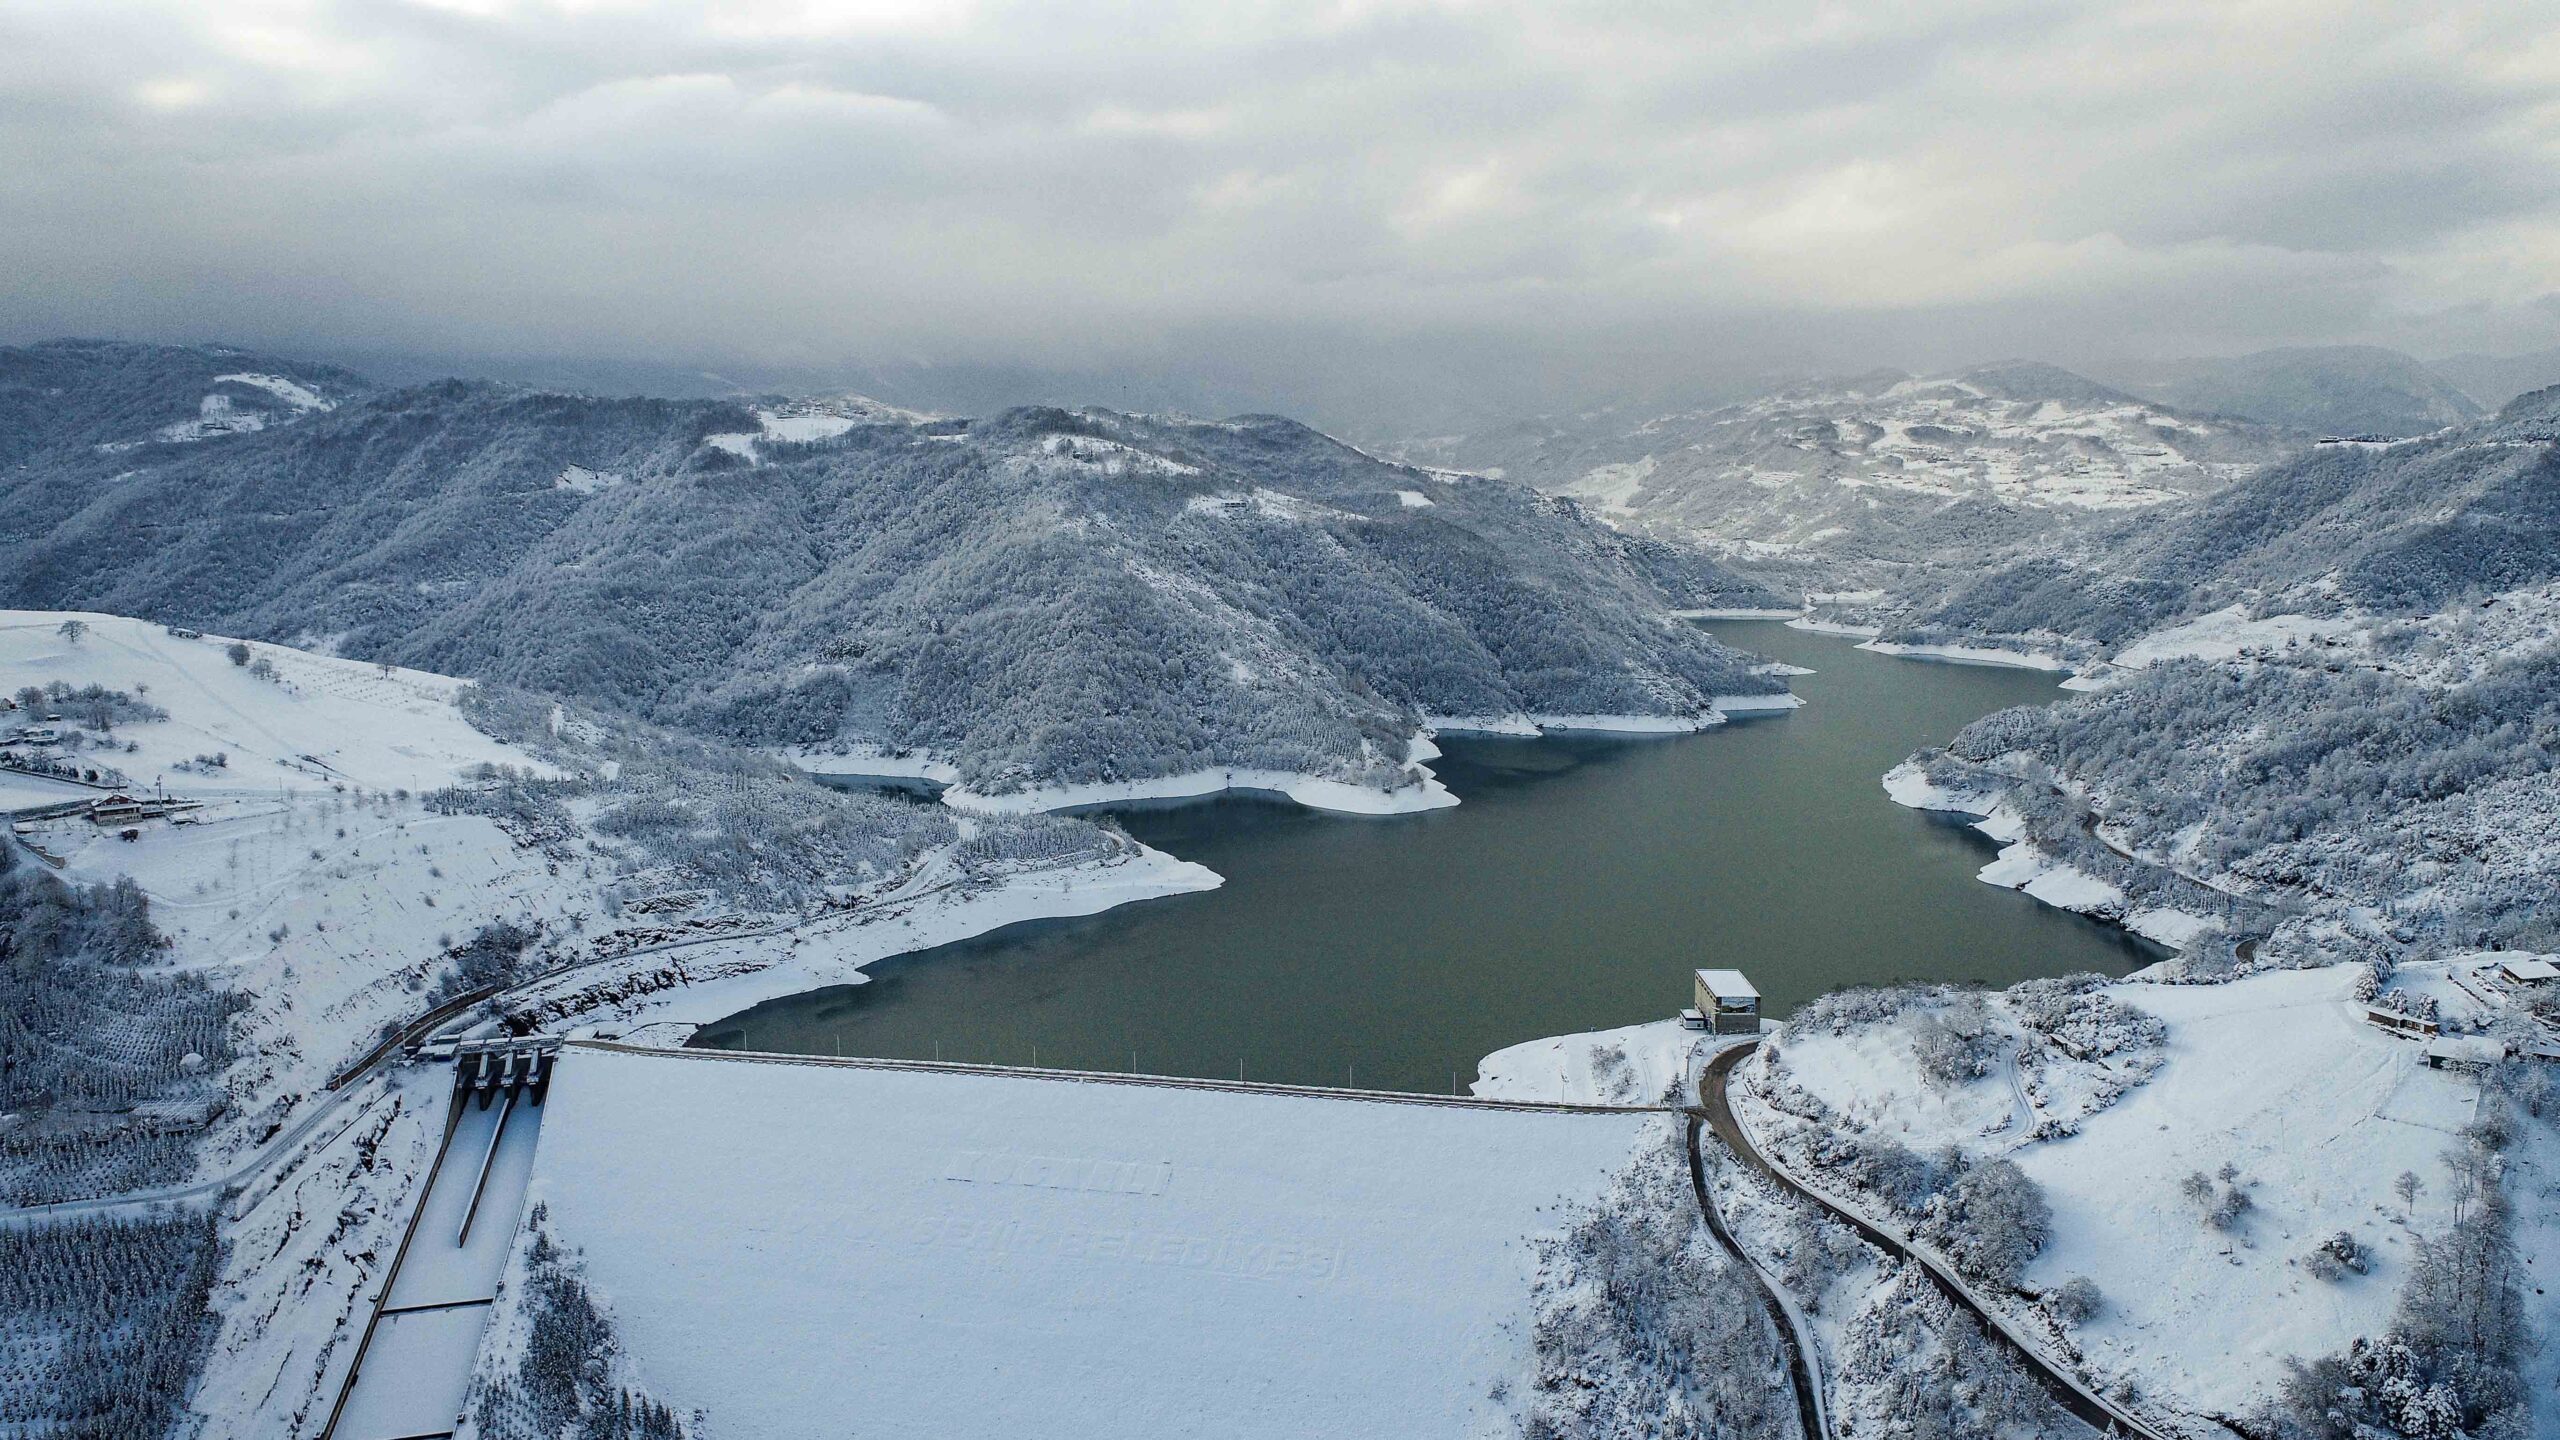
(1042, 596)
(2339, 390)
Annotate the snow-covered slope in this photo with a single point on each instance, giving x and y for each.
(1633, 1065)
(2387, 529)
(299, 722)
(346, 866)
(1879, 480)
(123, 403)
(2338, 771)
(2328, 687)
(2275, 1075)
(337, 848)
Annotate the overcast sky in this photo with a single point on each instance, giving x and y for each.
(1719, 182)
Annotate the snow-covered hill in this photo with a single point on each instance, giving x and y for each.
(341, 848)
(2387, 529)
(343, 837)
(1045, 598)
(114, 399)
(2196, 1151)
(273, 720)
(2329, 688)
(1881, 480)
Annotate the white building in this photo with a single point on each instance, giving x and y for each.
(2528, 970)
(1728, 1003)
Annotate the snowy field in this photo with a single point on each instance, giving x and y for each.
(2276, 1075)
(2279, 1075)
(301, 881)
(797, 1249)
(316, 723)
(1631, 1065)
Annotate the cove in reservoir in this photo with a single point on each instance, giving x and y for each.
(1574, 889)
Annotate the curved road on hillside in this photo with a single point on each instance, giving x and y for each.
(1798, 1345)
(2067, 1391)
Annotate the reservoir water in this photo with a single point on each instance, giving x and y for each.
(1574, 889)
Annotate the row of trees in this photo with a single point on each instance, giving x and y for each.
(95, 706)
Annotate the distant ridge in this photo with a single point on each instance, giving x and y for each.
(2327, 390)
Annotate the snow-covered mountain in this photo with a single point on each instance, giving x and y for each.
(2328, 390)
(115, 398)
(2330, 690)
(2383, 528)
(1043, 597)
(1884, 480)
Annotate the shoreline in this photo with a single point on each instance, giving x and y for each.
(2041, 877)
(715, 981)
(1812, 626)
(1990, 655)
(1334, 797)
(1422, 793)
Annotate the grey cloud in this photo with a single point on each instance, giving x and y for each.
(1711, 186)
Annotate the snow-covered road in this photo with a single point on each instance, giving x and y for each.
(2065, 1387)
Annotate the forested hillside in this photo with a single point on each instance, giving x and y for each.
(112, 398)
(2415, 805)
(2388, 529)
(1043, 596)
(106, 1064)
(2334, 686)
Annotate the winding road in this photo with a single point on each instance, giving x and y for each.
(2087, 1405)
(1792, 1336)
